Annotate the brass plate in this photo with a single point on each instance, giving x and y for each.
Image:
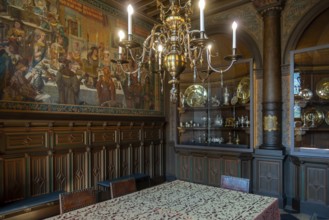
(243, 90)
(196, 96)
(322, 88)
(313, 114)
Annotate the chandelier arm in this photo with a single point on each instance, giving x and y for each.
(219, 70)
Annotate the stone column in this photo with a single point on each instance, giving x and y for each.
(272, 93)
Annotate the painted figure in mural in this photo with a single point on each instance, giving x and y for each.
(106, 61)
(5, 65)
(105, 87)
(147, 94)
(40, 7)
(133, 92)
(68, 83)
(39, 47)
(91, 67)
(20, 87)
(75, 54)
(57, 52)
(16, 34)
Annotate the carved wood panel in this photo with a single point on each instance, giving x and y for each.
(79, 170)
(97, 161)
(26, 141)
(199, 167)
(103, 137)
(316, 182)
(231, 167)
(60, 170)
(269, 176)
(158, 159)
(214, 171)
(14, 179)
(39, 166)
(152, 134)
(67, 139)
(125, 160)
(111, 168)
(147, 159)
(136, 157)
(184, 167)
(130, 135)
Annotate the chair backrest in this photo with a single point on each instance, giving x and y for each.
(122, 187)
(74, 200)
(235, 183)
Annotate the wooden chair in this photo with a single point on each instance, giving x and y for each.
(74, 200)
(235, 183)
(122, 187)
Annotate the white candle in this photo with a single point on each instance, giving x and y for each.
(121, 36)
(201, 5)
(130, 12)
(234, 26)
(209, 53)
(160, 48)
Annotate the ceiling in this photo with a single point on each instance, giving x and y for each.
(148, 12)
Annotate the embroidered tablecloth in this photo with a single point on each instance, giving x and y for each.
(181, 200)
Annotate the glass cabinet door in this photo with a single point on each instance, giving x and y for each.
(215, 111)
(310, 100)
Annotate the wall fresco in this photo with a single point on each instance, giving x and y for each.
(56, 55)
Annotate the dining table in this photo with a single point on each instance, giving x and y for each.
(181, 200)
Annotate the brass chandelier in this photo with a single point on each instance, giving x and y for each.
(172, 44)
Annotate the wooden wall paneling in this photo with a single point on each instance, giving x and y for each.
(184, 166)
(112, 162)
(148, 154)
(316, 183)
(231, 166)
(269, 176)
(199, 166)
(158, 157)
(80, 168)
(70, 138)
(61, 171)
(214, 171)
(25, 141)
(136, 157)
(125, 159)
(2, 187)
(14, 178)
(39, 174)
(97, 164)
(130, 138)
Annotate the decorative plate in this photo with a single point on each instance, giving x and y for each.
(322, 88)
(313, 117)
(243, 90)
(196, 96)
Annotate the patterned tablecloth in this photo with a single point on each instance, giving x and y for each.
(181, 200)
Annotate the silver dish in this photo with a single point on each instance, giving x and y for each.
(306, 94)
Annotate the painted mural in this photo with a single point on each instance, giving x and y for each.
(56, 56)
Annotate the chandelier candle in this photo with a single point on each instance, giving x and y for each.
(130, 12)
(234, 26)
(201, 5)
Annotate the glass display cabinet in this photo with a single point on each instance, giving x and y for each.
(310, 101)
(215, 111)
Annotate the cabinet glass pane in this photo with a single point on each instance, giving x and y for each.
(310, 94)
(217, 112)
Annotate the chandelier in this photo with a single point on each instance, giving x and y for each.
(172, 44)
